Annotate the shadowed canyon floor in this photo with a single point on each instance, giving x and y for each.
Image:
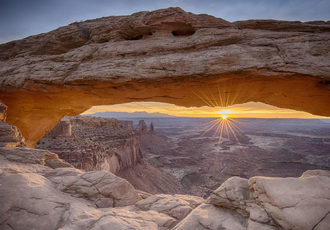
(260, 147)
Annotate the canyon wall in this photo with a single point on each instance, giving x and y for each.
(166, 55)
(94, 143)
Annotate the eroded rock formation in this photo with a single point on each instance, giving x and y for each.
(266, 203)
(166, 55)
(94, 143)
(10, 136)
(91, 143)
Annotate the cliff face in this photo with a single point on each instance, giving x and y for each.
(93, 143)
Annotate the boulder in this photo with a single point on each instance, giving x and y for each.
(210, 217)
(294, 203)
(34, 203)
(33, 156)
(176, 206)
(103, 188)
(10, 136)
(232, 194)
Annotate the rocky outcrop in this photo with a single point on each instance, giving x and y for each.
(93, 143)
(104, 189)
(142, 127)
(176, 206)
(10, 136)
(266, 203)
(166, 55)
(3, 109)
(33, 196)
(33, 156)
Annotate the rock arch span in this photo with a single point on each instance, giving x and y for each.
(166, 55)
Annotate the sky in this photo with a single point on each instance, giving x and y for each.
(22, 18)
(246, 110)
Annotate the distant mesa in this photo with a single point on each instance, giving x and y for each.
(119, 115)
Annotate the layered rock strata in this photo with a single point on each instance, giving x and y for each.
(10, 135)
(93, 143)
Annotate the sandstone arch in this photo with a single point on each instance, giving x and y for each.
(167, 56)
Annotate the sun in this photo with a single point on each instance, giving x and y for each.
(224, 116)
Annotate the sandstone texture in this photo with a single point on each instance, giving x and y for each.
(166, 55)
(91, 143)
(9, 135)
(265, 203)
(94, 143)
(176, 206)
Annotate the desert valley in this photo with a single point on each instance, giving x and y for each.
(184, 155)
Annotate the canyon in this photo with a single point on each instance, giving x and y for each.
(91, 144)
(166, 55)
(183, 155)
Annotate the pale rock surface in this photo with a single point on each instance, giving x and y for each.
(208, 216)
(176, 206)
(33, 156)
(103, 188)
(29, 200)
(316, 173)
(34, 203)
(232, 194)
(266, 203)
(294, 203)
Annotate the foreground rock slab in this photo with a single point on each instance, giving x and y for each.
(176, 206)
(103, 188)
(266, 203)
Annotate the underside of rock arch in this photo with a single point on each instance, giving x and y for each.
(165, 56)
